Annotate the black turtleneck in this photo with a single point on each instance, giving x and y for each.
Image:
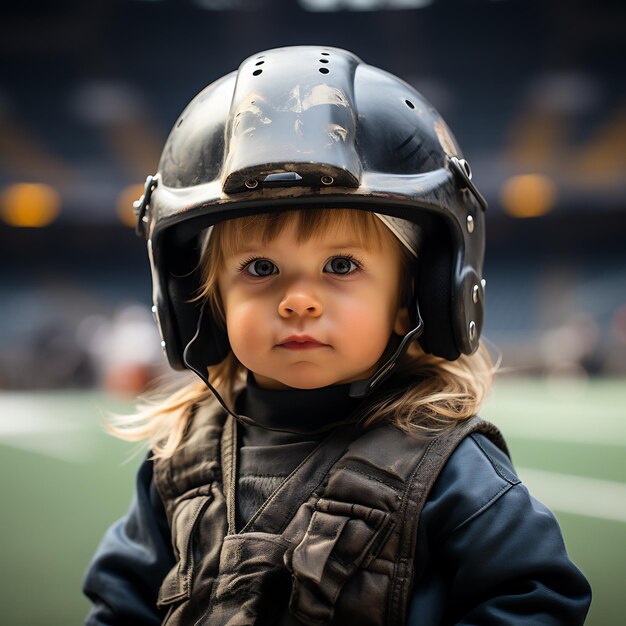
(288, 424)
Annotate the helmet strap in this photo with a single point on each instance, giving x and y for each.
(363, 388)
(246, 420)
(195, 362)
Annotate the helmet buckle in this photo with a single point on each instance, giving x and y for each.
(463, 173)
(140, 207)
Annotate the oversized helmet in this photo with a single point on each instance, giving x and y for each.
(313, 127)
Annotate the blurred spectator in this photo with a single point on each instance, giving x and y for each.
(125, 349)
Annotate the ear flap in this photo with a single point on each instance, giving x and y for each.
(202, 340)
(434, 294)
(209, 345)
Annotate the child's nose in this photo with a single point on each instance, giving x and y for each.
(299, 303)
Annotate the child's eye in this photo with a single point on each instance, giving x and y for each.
(259, 267)
(342, 265)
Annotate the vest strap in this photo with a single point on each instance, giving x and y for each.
(229, 470)
(419, 485)
(278, 510)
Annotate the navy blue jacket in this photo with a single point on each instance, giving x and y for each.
(487, 553)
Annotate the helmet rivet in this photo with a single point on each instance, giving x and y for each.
(252, 183)
(327, 180)
(470, 224)
(163, 344)
(472, 331)
(154, 309)
(475, 292)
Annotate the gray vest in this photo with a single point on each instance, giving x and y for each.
(333, 544)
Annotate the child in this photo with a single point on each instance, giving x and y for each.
(312, 220)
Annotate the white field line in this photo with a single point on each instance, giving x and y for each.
(559, 434)
(567, 412)
(561, 424)
(589, 497)
(30, 424)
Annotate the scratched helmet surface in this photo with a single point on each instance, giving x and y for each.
(313, 127)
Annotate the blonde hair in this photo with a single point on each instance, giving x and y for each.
(434, 394)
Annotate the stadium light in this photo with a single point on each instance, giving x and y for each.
(529, 195)
(30, 205)
(125, 201)
(362, 5)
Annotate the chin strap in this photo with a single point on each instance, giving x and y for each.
(245, 419)
(363, 388)
(195, 365)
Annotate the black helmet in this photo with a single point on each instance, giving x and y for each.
(311, 126)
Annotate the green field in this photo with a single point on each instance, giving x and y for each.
(65, 481)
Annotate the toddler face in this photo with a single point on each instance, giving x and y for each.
(314, 313)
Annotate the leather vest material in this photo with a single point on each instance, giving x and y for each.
(334, 544)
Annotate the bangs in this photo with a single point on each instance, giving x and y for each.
(231, 236)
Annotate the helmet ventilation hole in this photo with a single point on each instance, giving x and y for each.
(259, 61)
(324, 70)
(409, 104)
(180, 121)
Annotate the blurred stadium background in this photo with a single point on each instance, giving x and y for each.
(534, 92)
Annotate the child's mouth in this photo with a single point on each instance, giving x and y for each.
(301, 342)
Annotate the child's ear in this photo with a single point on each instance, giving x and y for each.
(402, 323)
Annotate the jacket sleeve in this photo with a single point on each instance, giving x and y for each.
(489, 553)
(124, 576)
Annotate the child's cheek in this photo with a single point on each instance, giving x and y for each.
(245, 325)
(364, 328)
